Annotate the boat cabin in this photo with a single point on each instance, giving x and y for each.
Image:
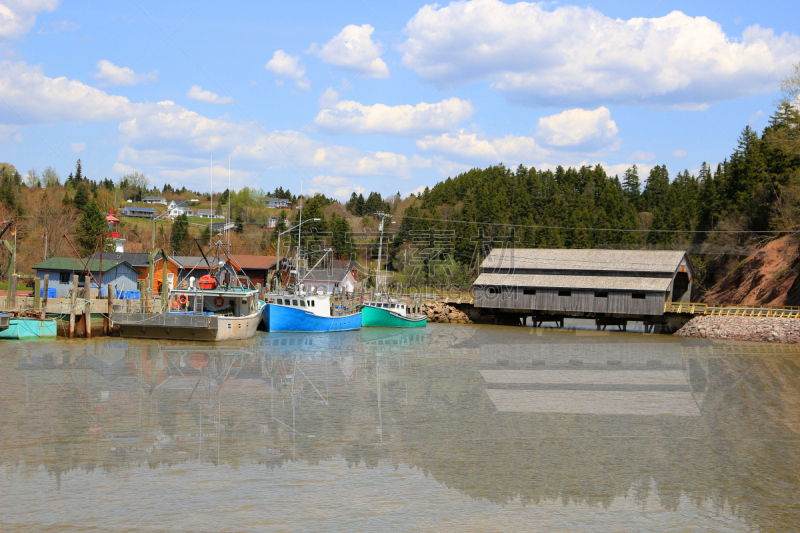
(230, 302)
(318, 304)
(394, 307)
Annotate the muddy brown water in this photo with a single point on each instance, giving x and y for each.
(470, 428)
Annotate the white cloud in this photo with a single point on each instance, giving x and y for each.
(36, 98)
(641, 156)
(110, 74)
(574, 55)
(680, 153)
(77, 147)
(356, 118)
(288, 66)
(474, 146)
(335, 186)
(353, 49)
(197, 93)
(17, 17)
(755, 116)
(328, 98)
(578, 127)
(9, 135)
(59, 26)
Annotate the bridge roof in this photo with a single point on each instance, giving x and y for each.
(550, 281)
(584, 260)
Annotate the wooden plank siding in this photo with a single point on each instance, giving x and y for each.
(579, 301)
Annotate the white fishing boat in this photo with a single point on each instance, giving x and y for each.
(216, 307)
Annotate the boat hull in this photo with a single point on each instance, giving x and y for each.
(283, 318)
(181, 326)
(372, 317)
(29, 328)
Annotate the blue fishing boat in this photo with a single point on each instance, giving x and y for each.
(307, 312)
(26, 328)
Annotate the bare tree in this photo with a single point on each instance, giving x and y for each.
(50, 177)
(32, 178)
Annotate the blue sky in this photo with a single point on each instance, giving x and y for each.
(362, 96)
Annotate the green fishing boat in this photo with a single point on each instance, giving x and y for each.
(26, 328)
(390, 314)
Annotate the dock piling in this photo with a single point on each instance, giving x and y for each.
(87, 314)
(109, 309)
(37, 299)
(12, 293)
(45, 286)
(73, 296)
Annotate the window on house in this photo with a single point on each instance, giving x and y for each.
(601, 294)
(565, 293)
(637, 296)
(492, 290)
(529, 292)
(63, 277)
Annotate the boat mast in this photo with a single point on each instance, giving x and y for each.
(297, 249)
(383, 216)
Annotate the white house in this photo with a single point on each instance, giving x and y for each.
(154, 200)
(175, 209)
(278, 203)
(272, 222)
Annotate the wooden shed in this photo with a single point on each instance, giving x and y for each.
(60, 270)
(624, 283)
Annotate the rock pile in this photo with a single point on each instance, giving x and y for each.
(775, 330)
(444, 314)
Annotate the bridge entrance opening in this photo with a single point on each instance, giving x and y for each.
(680, 290)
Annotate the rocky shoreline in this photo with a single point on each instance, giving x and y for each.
(440, 313)
(772, 330)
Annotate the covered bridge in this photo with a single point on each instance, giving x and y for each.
(617, 283)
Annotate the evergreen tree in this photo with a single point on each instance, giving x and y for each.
(8, 195)
(91, 225)
(81, 199)
(179, 233)
(631, 185)
(239, 224)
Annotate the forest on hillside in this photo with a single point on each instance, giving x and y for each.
(718, 214)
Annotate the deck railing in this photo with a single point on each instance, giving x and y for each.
(762, 311)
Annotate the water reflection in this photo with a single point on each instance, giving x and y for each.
(498, 414)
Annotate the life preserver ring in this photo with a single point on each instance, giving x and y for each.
(218, 301)
(183, 299)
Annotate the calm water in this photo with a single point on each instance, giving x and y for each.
(470, 428)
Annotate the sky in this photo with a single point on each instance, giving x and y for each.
(360, 96)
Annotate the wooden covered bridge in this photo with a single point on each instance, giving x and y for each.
(610, 286)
